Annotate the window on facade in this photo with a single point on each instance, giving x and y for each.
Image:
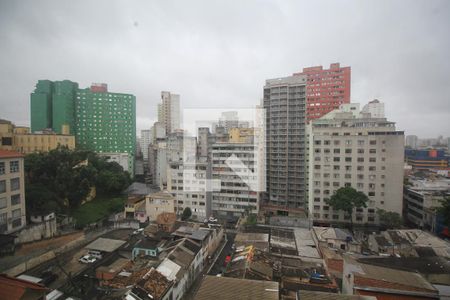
(373, 142)
(337, 151)
(348, 159)
(2, 186)
(348, 151)
(335, 217)
(360, 159)
(360, 185)
(360, 168)
(337, 142)
(372, 159)
(2, 168)
(372, 168)
(3, 202)
(337, 159)
(15, 199)
(14, 166)
(16, 213)
(372, 151)
(371, 194)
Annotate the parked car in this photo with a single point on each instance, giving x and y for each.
(87, 259)
(138, 231)
(95, 253)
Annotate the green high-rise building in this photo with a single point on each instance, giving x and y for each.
(53, 105)
(106, 122)
(41, 106)
(101, 121)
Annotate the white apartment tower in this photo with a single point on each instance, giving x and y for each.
(352, 148)
(187, 183)
(235, 196)
(144, 142)
(375, 108)
(169, 111)
(285, 104)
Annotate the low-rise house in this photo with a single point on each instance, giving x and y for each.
(335, 238)
(148, 246)
(111, 271)
(408, 242)
(130, 206)
(182, 265)
(18, 289)
(435, 269)
(360, 278)
(166, 221)
(208, 236)
(258, 240)
(153, 286)
(159, 202)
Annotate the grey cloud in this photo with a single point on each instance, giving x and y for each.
(218, 53)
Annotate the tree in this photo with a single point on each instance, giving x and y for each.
(347, 199)
(390, 219)
(186, 214)
(444, 210)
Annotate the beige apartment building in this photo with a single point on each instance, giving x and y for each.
(19, 138)
(348, 147)
(241, 135)
(12, 192)
(157, 203)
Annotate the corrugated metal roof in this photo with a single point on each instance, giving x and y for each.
(221, 288)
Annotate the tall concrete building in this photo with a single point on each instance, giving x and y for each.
(12, 192)
(285, 104)
(187, 181)
(106, 122)
(53, 105)
(169, 111)
(349, 148)
(375, 108)
(144, 141)
(101, 121)
(235, 196)
(412, 141)
(326, 89)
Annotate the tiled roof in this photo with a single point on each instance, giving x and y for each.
(13, 288)
(9, 154)
(311, 295)
(383, 284)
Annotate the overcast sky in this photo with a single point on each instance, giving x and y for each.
(219, 53)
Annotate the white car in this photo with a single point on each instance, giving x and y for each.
(87, 259)
(138, 231)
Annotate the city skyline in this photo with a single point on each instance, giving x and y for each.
(219, 59)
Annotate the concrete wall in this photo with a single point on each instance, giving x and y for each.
(37, 232)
